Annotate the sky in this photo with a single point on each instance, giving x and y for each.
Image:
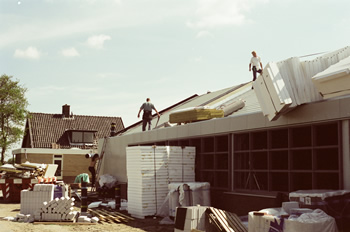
(105, 57)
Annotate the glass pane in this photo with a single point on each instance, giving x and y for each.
(59, 168)
(326, 134)
(279, 160)
(301, 137)
(221, 143)
(327, 181)
(302, 160)
(241, 180)
(88, 137)
(301, 181)
(279, 182)
(208, 144)
(258, 181)
(221, 161)
(221, 179)
(241, 142)
(208, 161)
(77, 137)
(327, 159)
(259, 140)
(241, 160)
(259, 161)
(279, 138)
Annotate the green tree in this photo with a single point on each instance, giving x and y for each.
(13, 113)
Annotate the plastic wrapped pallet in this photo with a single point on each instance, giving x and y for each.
(195, 114)
(315, 221)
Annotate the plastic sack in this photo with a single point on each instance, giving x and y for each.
(107, 180)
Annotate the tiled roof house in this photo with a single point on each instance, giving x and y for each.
(67, 130)
(64, 139)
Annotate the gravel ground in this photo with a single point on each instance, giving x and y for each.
(11, 210)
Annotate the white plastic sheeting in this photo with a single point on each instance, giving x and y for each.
(288, 83)
(188, 194)
(315, 221)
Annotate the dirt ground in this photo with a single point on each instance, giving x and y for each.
(137, 225)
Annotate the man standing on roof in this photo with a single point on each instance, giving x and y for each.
(255, 64)
(147, 108)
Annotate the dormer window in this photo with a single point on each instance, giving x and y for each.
(81, 137)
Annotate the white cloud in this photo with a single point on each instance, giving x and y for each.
(197, 59)
(214, 13)
(70, 52)
(203, 34)
(29, 53)
(97, 41)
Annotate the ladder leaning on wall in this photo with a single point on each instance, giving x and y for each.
(99, 163)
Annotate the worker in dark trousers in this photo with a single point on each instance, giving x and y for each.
(255, 65)
(147, 108)
(94, 159)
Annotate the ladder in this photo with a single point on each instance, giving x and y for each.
(99, 163)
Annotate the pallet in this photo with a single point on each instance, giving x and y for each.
(106, 216)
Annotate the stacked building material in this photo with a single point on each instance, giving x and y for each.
(59, 209)
(195, 114)
(33, 200)
(190, 218)
(149, 170)
(288, 83)
(181, 164)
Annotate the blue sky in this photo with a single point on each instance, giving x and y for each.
(104, 57)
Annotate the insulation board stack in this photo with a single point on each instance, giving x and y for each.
(288, 83)
(181, 164)
(148, 171)
(195, 114)
(33, 200)
(335, 80)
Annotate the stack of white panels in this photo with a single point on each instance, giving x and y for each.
(334, 81)
(288, 83)
(149, 172)
(181, 164)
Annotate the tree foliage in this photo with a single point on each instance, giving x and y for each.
(13, 112)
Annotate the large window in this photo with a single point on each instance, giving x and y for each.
(290, 159)
(82, 136)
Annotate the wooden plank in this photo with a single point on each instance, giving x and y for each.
(123, 215)
(118, 216)
(229, 221)
(109, 216)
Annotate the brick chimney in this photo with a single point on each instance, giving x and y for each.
(65, 111)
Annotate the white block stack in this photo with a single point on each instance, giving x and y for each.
(190, 218)
(33, 200)
(59, 209)
(150, 169)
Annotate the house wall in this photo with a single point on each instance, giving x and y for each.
(74, 165)
(37, 158)
(73, 161)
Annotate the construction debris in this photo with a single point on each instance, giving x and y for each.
(26, 170)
